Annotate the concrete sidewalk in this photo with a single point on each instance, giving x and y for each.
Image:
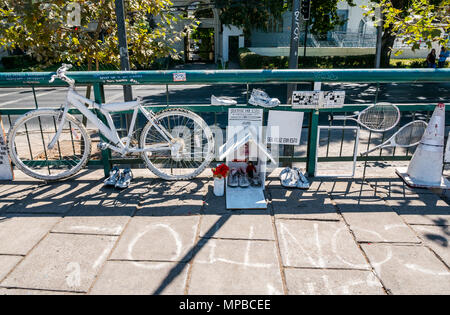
(372, 236)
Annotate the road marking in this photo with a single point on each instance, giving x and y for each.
(25, 97)
(10, 93)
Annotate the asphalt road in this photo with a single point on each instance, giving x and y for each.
(200, 94)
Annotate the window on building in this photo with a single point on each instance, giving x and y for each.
(343, 16)
(275, 25)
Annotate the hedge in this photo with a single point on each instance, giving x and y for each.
(17, 62)
(251, 60)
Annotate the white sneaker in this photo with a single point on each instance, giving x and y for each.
(222, 101)
(302, 180)
(261, 98)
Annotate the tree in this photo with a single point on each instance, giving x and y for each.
(256, 14)
(413, 22)
(42, 29)
(249, 14)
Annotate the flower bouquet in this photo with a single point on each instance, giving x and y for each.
(219, 174)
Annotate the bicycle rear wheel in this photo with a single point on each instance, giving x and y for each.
(196, 140)
(28, 142)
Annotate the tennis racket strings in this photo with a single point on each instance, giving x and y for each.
(411, 134)
(407, 136)
(381, 117)
(378, 118)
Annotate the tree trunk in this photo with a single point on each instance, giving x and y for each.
(387, 41)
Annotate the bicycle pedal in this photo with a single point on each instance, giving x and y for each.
(102, 146)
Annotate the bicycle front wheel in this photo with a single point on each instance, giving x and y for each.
(194, 138)
(30, 136)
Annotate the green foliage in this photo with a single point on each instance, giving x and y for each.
(251, 60)
(324, 16)
(410, 63)
(204, 38)
(43, 30)
(414, 21)
(250, 14)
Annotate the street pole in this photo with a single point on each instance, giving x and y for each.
(123, 47)
(293, 63)
(295, 36)
(378, 50)
(305, 42)
(379, 38)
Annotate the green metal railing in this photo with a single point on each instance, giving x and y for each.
(100, 79)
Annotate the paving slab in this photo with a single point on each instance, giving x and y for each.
(19, 233)
(348, 188)
(298, 204)
(426, 209)
(7, 263)
(166, 198)
(318, 244)
(39, 206)
(315, 184)
(379, 226)
(332, 282)
(97, 190)
(437, 238)
(70, 189)
(107, 217)
(395, 187)
(238, 225)
(15, 190)
(55, 198)
(170, 206)
(236, 267)
(408, 269)
(12, 192)
(62, 262)
(158, 238)
(358, 200)
(214, 204)
(141, 278)
(6, 291)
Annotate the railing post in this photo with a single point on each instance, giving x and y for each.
(312, 142)
(99, 94)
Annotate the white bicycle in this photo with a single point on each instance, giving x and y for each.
(49, 144)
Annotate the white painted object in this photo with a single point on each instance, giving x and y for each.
(219, 186)
(245, 142)
(425, 168)
(284, 127)
(355, 151)
(447, 150)
(222, 101)
(6, 172)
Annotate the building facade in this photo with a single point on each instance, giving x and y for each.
(215, 42)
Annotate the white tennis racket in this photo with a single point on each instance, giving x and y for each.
(378, 117)
(407, 136)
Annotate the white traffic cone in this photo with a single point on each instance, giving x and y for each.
(425, 168)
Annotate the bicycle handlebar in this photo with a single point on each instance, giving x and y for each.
(61, 74)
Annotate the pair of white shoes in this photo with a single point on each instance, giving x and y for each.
(293, 178)
(119, 179)
(237, 178)
(261, 98)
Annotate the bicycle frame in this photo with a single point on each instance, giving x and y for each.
(110, 131)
